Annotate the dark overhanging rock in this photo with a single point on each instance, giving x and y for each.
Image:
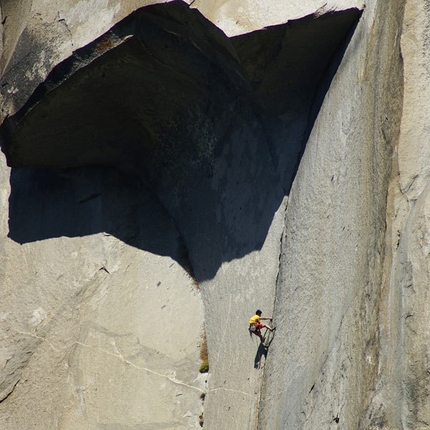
(293, 57)
(160, 90)
(212, 127)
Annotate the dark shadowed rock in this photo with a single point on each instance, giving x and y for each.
(158, 92)
(207, 123)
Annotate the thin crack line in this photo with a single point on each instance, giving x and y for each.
(25, 333)
(124, 360)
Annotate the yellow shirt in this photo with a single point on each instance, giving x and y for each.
(254, 320)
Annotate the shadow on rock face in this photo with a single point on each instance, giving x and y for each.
(206, 131)
(84, 201)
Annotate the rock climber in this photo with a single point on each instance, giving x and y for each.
(255, 325)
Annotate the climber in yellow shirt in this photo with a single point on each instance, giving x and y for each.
(255, 325)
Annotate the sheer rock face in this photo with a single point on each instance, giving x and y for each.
(405, 314)
(96, 332)
(331, 284)
(194, 166)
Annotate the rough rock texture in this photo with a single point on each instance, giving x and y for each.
(403, 394)
(327, 349)
(196, 164)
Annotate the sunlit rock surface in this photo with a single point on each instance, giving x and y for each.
(170, 170)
